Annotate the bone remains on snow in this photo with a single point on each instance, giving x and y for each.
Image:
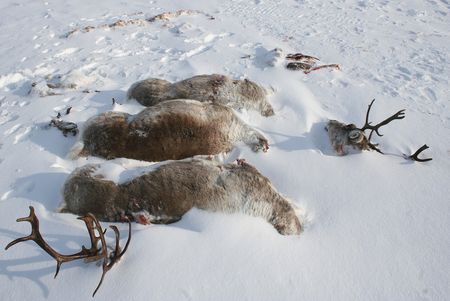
(171, 130)
(307, 63)
(140, 22)
(59, 84)
(214, 88)
(165, 194)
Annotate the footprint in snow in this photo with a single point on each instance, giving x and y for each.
(195, 51)
(66, 52)
(429, 94)
(6, 195)
(4, 119)
(24, 188)
(12, 130)
(20, 137)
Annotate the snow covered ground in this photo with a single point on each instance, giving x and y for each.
(376, 227)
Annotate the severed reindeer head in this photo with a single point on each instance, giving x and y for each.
(344, 136)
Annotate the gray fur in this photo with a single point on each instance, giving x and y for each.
(165, 194)
(346, 136)
(214, 88)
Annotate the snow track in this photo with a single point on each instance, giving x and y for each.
(396, 42)
(377, 225)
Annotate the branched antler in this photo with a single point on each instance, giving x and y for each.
(60, 258)
(114, 256)
(92, 254)
(375, 128)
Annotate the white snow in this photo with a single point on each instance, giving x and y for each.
(378, 225)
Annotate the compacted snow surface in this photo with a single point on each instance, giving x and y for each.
(375, 227)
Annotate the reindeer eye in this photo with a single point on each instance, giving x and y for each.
(355, 135)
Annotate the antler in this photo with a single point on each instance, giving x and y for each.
(374, 147)
(415, 156)
(374, 128)
(115, 255)
(60, 258)
(92, 254)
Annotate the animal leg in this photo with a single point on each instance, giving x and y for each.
(255, 140)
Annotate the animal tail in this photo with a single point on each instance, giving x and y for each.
(305, 218)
